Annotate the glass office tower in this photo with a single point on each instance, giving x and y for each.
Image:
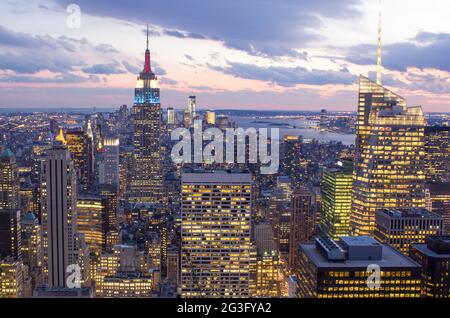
(389, 163)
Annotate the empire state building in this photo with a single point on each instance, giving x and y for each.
(147, 181)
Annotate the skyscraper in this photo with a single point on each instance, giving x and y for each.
(437, 149)
(279, 214)
(109, 167)
(108, 194)
(58, 215)
(31, 242)
(147, 181)
(81, 147)
(75, 144)
(210, 117)
(268, 265)
(215, 234)
(10, 233)
(192, 105)
(336, 201)
(92, 221)
(389, 164)
(9, 181)
(88, 172)
(302, 223)
(291, 163)
(170, 116)
(440, 202)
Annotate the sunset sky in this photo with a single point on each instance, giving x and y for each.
(247, 54)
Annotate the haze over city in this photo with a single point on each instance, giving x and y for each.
(289, 55)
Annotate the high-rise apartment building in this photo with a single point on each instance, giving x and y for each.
(336, 187)
(215, 234)
(147, 181)
(402, 227)
(389, 164)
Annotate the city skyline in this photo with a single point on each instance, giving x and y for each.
(142, 201)
(306, 56)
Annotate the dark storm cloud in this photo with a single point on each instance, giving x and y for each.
(288, 76)
(426, 50)
(260, 27)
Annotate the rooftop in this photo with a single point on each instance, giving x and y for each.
(409, 213)
(360, 241)
(216, 176)
(390, 257)
(436, 246)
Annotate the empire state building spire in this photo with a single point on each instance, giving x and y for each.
(148, 68)
(379, 57)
